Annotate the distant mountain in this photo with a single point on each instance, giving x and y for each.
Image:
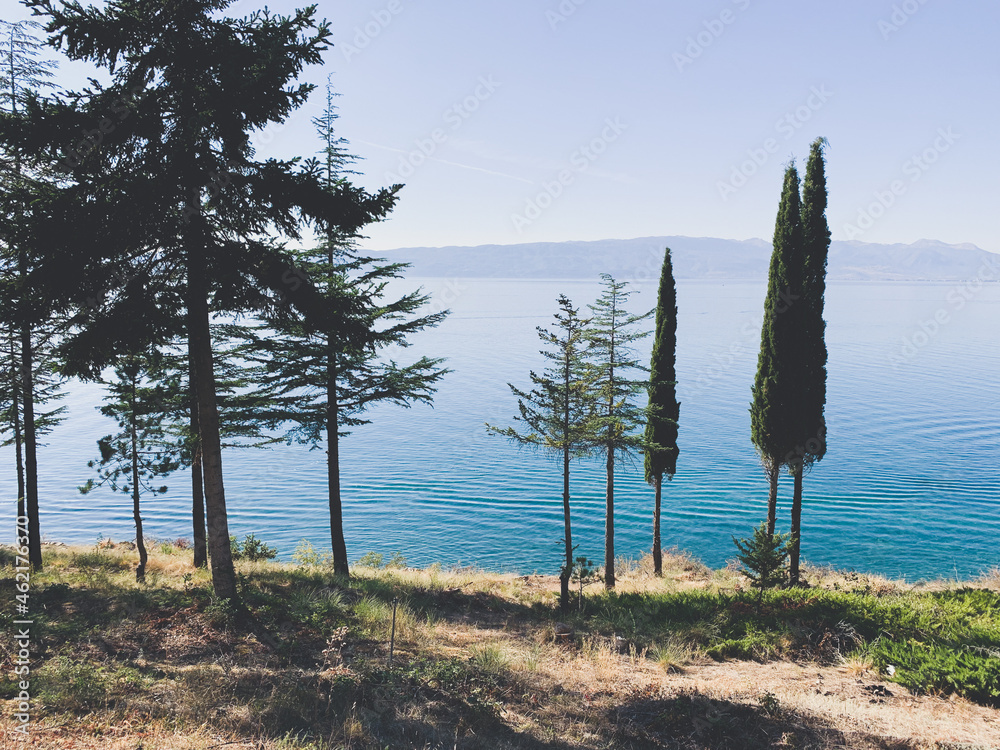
(694, 258)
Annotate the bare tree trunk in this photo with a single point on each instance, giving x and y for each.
(140, 543)
(772, 497)
(15, 396)
(567, 570)
(200, 351)
(197, 480)
(793, 564)
(657, 551)
(338, 544)
(30, 443)
(609, 524)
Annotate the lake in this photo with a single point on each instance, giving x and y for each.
(908, 487)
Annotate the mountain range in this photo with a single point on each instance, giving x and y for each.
(695, 258)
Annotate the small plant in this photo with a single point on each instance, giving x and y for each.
(307, 556)
(769, 703)
(763, 556)
(252, 549)
(371, 560)
(397, 560)
(490, 657)
(583, 573)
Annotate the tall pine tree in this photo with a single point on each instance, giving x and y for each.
(145, 448)
(322, 380)
(613, 363)
(26, 310)
(558, 413)
(173, 193)
(664, 408)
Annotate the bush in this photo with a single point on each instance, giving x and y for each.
(931, 668)
(307, 556)
(370, 560)
(252, 549)
(763, 556)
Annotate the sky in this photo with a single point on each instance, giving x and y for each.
(554, 120)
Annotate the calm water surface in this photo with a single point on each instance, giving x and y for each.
(908, 487)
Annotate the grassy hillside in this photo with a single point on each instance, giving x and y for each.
(686, 661)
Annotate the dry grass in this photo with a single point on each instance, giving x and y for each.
(477, 666)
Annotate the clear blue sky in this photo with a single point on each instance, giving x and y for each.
(542, 120)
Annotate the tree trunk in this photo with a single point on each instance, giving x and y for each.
(140, 572)
(15, 395)
(200, 351)
(197, 481)
(567, 570)
(793, 565)
(609, 524)
(657, 552)
(772, 497)
(338, 544)
(30, 445)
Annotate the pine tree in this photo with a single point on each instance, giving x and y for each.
(322, 380)
(763, 556)
(146, 449)
(816, 245)
(664, 409)
(777, 393)
(613, 360)
(558, 413)
(26, 311)
(173, 195)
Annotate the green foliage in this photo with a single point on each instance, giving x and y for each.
(763, 556)
(396, 560)
(613, 362)
(972, 672)
(816, 246)
(307, 555)
(559, 413)
(370, 560)
(251, 548)
(664, 409)
(776, 405)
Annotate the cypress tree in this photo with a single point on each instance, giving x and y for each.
(776, 389)
(664, 409)
(612, 360)
(559, 412)
(812, 424)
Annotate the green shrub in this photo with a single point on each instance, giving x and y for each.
(370, 560)
(252, 549)
(972, 673)
(307, 556)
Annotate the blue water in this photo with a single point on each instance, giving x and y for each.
(908, 487)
